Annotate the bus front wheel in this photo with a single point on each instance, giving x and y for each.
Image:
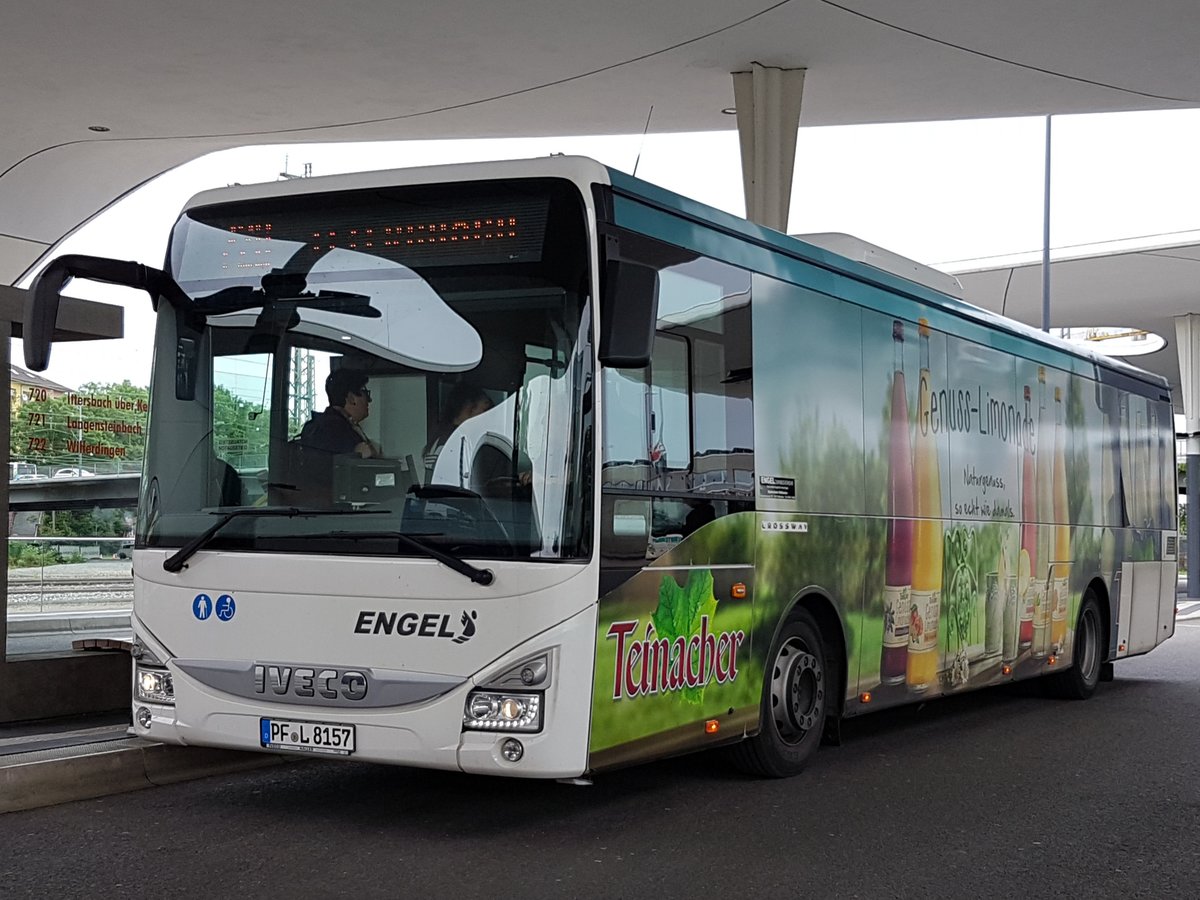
(795, 700)
(1079, 681)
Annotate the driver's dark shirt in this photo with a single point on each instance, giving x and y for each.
(331, 432)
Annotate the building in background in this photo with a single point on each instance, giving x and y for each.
(25, 386)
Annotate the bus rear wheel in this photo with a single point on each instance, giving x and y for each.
(1079, 682)
(794, 703)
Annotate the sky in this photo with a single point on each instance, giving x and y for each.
(942, 193)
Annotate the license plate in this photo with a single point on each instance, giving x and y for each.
(306, 737)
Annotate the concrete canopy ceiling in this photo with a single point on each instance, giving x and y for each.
(1143, 288)
(170, 82)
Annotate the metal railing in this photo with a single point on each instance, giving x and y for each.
(61, 589)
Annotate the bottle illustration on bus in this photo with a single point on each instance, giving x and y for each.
(898, 587)
(1027, 563)
(1062, 531)
(1042, 573)
(1012, 604)
(922, 663)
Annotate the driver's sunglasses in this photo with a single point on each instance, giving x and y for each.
(366, 393)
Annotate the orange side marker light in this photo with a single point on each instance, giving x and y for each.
(1052, 659)
(712, 726)
(738, 591)
(864, 697)
(1006, 670)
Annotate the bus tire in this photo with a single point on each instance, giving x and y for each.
(795, 702)
(1079, 682)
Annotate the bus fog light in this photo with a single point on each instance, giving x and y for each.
(512, 750)
(154, 685)
(508, 711)
(144, 717)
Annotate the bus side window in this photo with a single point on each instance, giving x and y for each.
(241, 405)
(685, 424)
(626, 459)
(670, 444)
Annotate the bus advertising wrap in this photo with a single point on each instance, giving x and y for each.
(949, 499)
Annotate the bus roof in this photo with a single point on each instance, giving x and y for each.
(873, 265)
(579, 169)
(882, 276)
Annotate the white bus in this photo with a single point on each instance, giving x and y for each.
(635, 478)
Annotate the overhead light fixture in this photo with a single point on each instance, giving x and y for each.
(729, 111)
(100, 128)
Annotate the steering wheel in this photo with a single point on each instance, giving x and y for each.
(485, 520)
(507, 486)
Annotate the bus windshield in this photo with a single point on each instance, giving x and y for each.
(421, 353)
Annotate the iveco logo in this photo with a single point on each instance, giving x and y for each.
(302, 682)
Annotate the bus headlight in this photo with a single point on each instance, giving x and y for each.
(153, 685)
(503, 711)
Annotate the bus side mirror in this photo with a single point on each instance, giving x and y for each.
(41, 305)
(41, 314)
(628, 314)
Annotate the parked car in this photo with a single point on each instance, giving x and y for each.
(19, 468)
(32, 477)
(73, 472)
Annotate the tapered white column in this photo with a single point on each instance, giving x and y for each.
(768, 115)
(1187, 337)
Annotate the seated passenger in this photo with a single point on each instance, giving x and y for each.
(225, 483)
(465, 402)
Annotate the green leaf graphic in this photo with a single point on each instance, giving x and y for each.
(679, 612)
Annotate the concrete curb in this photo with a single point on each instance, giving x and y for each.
(77, 622)
(114, 767)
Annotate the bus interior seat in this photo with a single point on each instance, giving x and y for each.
(493, 478)
(307, 479)
(227, 484)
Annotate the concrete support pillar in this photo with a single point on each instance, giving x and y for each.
(1187, 336)
(768, 115)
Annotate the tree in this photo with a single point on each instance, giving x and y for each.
(101, 427)
(240, 430)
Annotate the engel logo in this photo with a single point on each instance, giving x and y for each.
(411, 624)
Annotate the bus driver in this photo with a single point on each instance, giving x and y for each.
(336, 430)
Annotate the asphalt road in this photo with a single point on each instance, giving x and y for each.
(997, 794)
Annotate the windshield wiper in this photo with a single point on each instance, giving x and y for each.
(174, 563)
(482, 577)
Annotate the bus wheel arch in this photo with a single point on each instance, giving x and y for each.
(1099, 591)
(803, 673)
(822, 608)
(1089, 652)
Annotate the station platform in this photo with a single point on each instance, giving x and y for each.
(46, 763)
